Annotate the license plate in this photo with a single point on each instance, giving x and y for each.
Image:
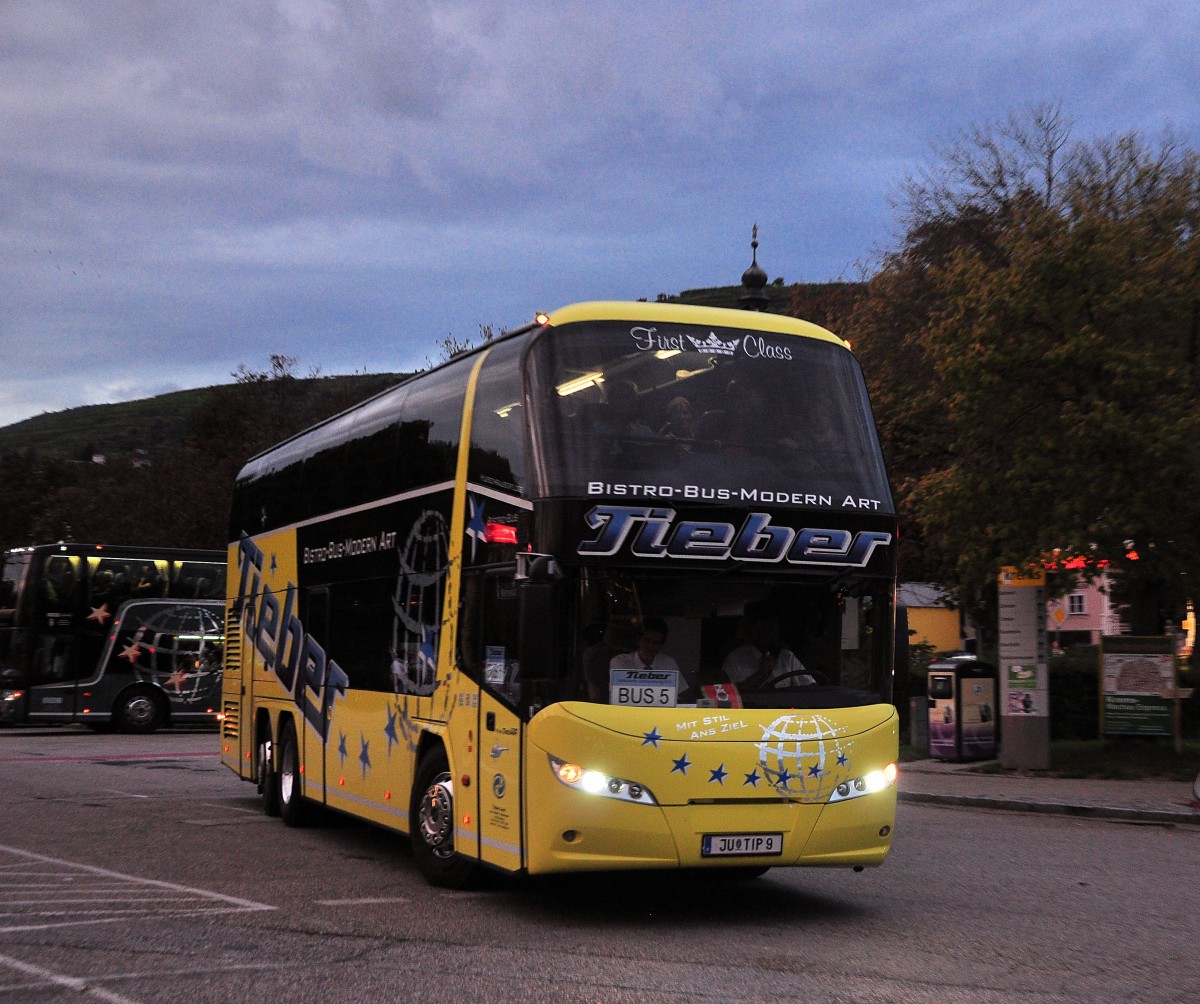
(719, 845)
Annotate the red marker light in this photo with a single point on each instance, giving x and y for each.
(500, 533)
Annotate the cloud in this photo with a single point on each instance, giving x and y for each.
(187, 187)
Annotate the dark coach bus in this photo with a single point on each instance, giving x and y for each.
(59, 605)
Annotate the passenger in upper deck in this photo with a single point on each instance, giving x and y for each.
(681, 420)
(746, 424)
(763, 657)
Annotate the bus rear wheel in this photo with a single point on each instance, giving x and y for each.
(431, 826)
(138, 711)
(293, 808)
(268, 780)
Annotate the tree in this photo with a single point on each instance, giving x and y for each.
(1031, 347)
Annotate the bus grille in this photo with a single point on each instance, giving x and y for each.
(231, 722)
(232, 719)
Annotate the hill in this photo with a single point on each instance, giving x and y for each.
(825, 303)
(155, 425)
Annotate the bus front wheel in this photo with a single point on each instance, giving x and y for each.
(138, 711)
(431, 826)
(292, 807)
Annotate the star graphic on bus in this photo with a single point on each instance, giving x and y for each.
(429, 649)
(651, 738)
(176, 680)
(100, 613)
(131, 652)
(476, 527)
(752, 779)
(814, 770)
(389, 730)
(718, 775)
(842, 760)
(342, 751)
(364, 757)
(782, 778)
(681, 765)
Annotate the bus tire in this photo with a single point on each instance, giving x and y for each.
(431, 826)
(139, 711)
(293, 808)
(268, 780)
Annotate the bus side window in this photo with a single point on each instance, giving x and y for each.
(361, 611)
(58, 584)
(488, 631)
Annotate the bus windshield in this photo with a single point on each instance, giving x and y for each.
(672, 638)
(680, 412)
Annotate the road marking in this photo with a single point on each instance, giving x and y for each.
(68, 885)
(367, 901)
(68, 982)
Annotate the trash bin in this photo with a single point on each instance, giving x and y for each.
(962, 709)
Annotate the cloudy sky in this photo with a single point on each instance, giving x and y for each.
(186, 187)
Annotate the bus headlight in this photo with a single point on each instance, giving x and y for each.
(876, 780)
(595, 782)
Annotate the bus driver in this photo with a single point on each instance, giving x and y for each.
(762, 657)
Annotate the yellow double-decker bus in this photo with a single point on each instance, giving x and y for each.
(613, 591)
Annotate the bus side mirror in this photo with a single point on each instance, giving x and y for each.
(539, 620)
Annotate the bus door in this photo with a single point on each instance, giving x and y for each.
(488, 647)
(55, 663)
(313, 672)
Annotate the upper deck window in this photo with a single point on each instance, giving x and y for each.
(721, 415)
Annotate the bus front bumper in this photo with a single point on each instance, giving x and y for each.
(587, 834)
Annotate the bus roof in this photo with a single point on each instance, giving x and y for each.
(680, 313)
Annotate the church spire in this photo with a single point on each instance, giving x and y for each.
(754, 279)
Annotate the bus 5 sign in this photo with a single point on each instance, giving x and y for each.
(644, 688)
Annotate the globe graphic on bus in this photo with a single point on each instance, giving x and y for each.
(418, 605)
(800, 755)
(182, 648)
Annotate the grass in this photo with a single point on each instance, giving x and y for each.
(1107, 759)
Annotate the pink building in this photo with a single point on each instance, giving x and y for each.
(1083, 615)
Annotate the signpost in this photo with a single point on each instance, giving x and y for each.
(1024, 673)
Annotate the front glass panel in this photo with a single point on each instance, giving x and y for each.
(794, 644)
(684, 413)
